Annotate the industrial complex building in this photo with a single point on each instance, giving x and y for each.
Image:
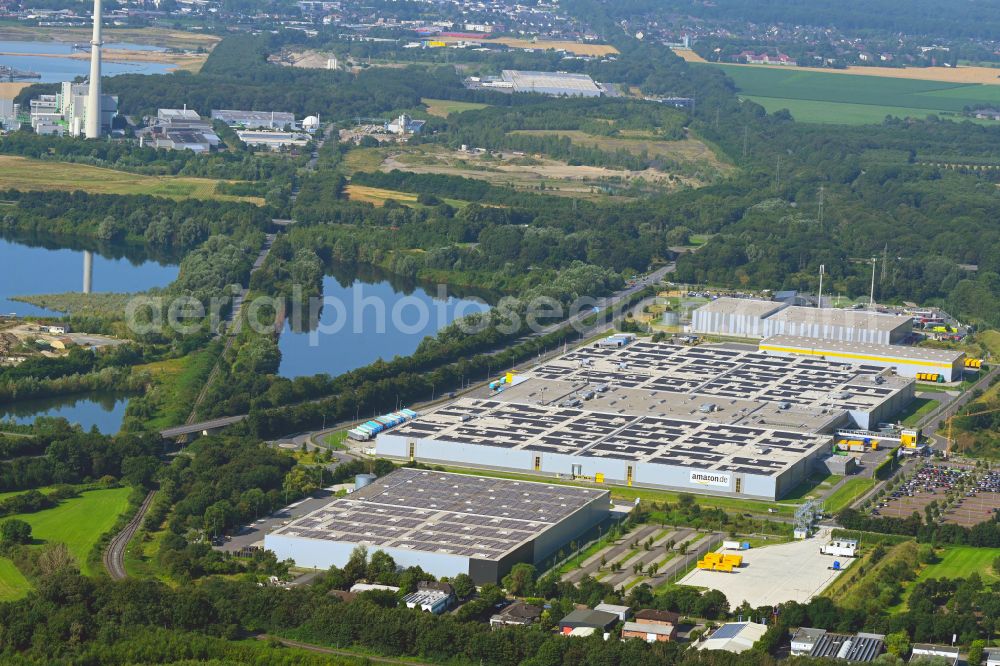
(560, 84)
(746, 317)
(818, 643)
(66, 111)
(445, 523)
(181, 129)
(906, 360)
(702, 419)
(551, 83)
(272, 120)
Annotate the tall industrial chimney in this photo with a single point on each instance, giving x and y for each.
(93, 129)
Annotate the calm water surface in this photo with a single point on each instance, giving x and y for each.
(373, 316)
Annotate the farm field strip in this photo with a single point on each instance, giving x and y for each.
(444, 107)
(825, 96)
(21, 173)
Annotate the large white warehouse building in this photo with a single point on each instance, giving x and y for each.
(446, 524)
(702, 419)
(905, 360)
(752, 318)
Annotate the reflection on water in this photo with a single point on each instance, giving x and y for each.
(41, 266)
(372, 315)
(101, 409)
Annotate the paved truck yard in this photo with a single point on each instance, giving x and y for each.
(794, 571)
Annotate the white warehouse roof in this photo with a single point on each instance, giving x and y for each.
(865, 351)
(836, 317)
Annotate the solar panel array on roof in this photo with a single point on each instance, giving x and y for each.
(716, 371)
(859, 648)
(578, 432)
(730, 630)
(440, 512)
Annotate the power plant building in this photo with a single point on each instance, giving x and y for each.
(906, 360)
(446, 524)
(701, 419)
(66, 111)
(745, 317)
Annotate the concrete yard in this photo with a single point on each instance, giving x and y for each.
(792, 571)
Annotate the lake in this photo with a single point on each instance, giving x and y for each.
(31, 56)
(28, 267)
(372, 316)
(104, 410)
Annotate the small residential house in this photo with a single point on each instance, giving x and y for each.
(652, 626)
(516, 614)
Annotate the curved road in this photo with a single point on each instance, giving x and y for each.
(114, 556)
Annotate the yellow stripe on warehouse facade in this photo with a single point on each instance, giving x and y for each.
(863, 357)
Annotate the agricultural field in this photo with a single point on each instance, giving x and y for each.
(445, 107)
(828, 97)
(21, 173)
(378, 196)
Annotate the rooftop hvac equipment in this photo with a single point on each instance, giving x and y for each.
(707, 407)
(784, 405)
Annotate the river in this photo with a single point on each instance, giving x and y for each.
(31, 56)
(33, 267)
(371, 316)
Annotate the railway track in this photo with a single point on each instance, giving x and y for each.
(114, 556)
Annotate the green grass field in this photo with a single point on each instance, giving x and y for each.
(962, 562)
(20, 173)
(445, 107)
(79, 522)
(178, 381)
(13, 584)
(847, 493)
(852, 100)
(916, 410)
